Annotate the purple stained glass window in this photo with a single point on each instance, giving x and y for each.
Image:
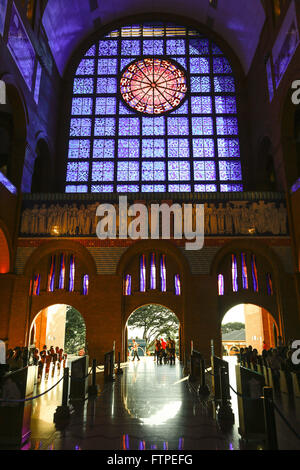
(203, 148)
(179, 171)
(153, 171)
(79, 148)
(177, 284)
(85, 286)
(204, 170)
(62, 272)
(152, 271)
(230, 170)
(269, 284)
(77, 171)
(163, 274)
(234, 273)
(126, 138)
(104, 148)
(127, 284)
(254, 273)
(36, 284)
(128, 148)
(143, 273)
(178, 148)
(244, 271)
(220, 284)
(103, 171)
(51, 275)
(128, 171)
(72, 274)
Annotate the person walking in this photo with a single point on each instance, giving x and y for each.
(135, 347)
(157, 350)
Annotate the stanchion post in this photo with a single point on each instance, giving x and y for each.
(270, 423)
(119, 370)
(225, 413)
(93, 388)
(62, 413)
(203, 389)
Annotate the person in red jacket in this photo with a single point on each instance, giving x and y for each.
(163, 349)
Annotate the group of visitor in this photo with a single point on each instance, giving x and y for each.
(46, 357)
(278, 358)
(17, 358)
(164, 351)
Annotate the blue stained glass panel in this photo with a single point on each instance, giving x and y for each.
(205, 188)
(225, 104)
(80, 127)
(200, 84)
(224, 84)
(199, 65)
(153, 47)
(128, 171)
(91, 51)
(178, 126)
(153, 171)
(104, 148)
(79, 148)
(228, 148)
(129, 126)
(125, 61)
(230, 170)
(130, 47)
(105, 105)
(221, 65)
(175, 47)
(128, 148)
(105, 127)
(153, 148)
(227, 126)
(107, 66)
(86, 67)
(82, 106)
(199, 46)
(124, 110)
(108, 47)
(83, 86)
(216, 50)
(179, 170)
(178, 148)
(76, 189)
(77, 171)
(202, 126)
(153, 126)
(102, 188)
(151, 188)
(179, 188)
(229, 188)
(106, 85)
(128, 188)
(181, 61)
(201, 104)
(203, 148)
(205, 170)
(103, 171)
(183, 109)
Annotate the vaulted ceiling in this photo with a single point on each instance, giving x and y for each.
(67, 23)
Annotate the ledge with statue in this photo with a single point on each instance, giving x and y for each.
(225, 214)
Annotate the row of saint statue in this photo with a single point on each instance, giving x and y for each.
(233, 218)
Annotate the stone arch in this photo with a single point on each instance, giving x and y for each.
(61, 245)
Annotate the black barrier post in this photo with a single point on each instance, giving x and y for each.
(93, 388)
(270, 423)
(203, 389)
(62, 413)
(119, 370)
(225, 413)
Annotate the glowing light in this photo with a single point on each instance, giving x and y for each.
(169, 411)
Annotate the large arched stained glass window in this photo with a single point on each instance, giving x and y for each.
(153, 110)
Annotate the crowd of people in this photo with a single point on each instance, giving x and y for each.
(278, 358)
(164, 351)
(20, 357)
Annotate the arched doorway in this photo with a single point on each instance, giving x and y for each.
(248, 324)
(59, 325)
(148, 322)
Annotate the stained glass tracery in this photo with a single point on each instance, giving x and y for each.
(153, 109)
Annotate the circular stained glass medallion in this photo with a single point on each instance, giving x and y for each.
(153, 86)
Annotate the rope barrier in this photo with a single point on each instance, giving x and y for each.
(31, 398)
(286, 421)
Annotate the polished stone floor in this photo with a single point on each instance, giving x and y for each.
(149, 407)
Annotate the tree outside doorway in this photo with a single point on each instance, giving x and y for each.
(153, 321)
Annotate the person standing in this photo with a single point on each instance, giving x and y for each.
(157, 350)
(135, 350)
